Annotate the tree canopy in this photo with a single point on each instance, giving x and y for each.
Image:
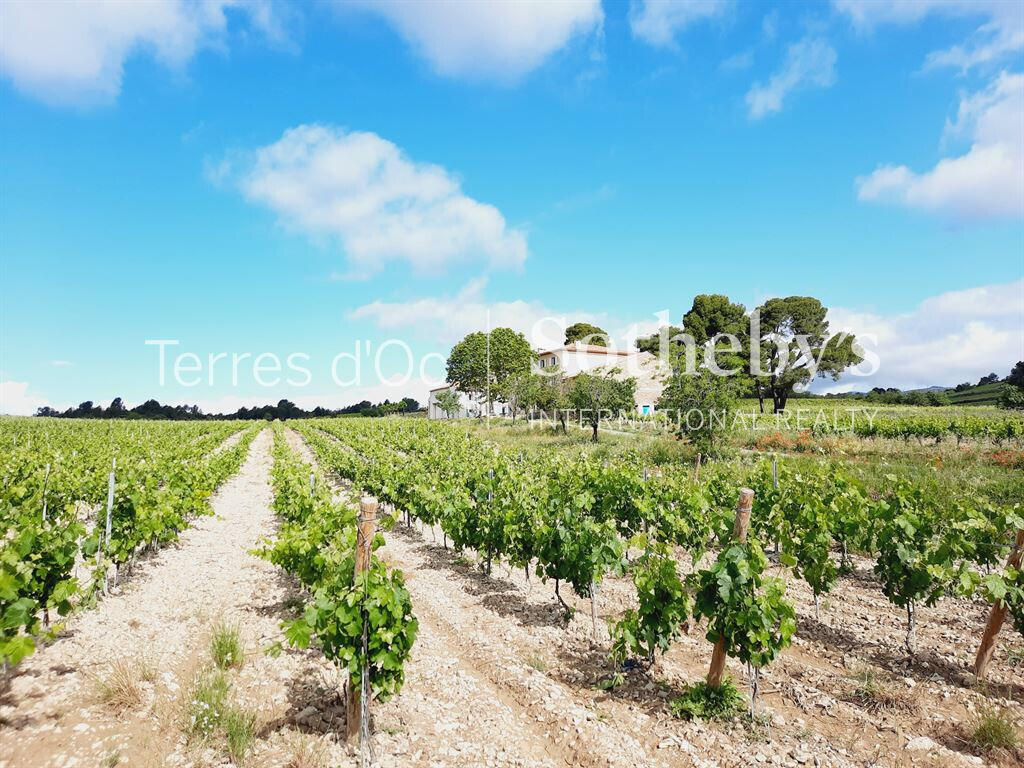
(794, 345)
(652, 343)
(510, 355)
(586, 333)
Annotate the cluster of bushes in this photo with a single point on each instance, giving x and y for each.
(892, 396)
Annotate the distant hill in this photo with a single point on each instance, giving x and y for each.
(984, 394)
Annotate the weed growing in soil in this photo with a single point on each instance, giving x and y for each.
(994, 730)
(1015, 657)
(111, 760)
(703, 702)
(239, 731)
(226, 646)
(875, 694)
(121, 689)
(537, 662)
(206, 704)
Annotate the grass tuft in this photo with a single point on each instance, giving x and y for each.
(875, 694)
(703, 702)
(994, 730)
(121, 689)
(239, 731)
(226, 646)
(206, 705)
(307, 752)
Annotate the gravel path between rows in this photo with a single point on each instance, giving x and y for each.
(51, 714)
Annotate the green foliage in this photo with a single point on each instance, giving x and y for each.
(746, 610)
(165, 475)
(335, 615)
(239, 727)
(586, 333)
(786, 325)
(597, 396)
(668, 338)
(664, 607)
(448, 401)
(701, 701)
(712, 314)
(226, 646)
(510, 355)
(317, 542)
(995, 730)
(1012, 397)
(701, 405)
(206, 704)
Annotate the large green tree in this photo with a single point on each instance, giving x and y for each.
(480, 372)
(587, 333)
(793, 345)
(596, 395)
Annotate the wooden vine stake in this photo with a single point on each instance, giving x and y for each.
(997, 615)
(739, 533)
(367, 528)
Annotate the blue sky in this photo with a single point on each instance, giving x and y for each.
(279, 177)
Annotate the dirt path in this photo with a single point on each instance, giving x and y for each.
(52, 713)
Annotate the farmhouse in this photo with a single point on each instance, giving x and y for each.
(571, 360)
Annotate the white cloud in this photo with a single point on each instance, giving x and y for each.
(379, 204)
(985, 182)
(61, 363)
(63, 52)
(949, 338)
(449, 318)
(657, 22)
(738, 62)
(809, 63)
(486, 40)
(16, 400)
(1001, 35)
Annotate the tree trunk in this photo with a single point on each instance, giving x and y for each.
(594, 438)
(760, 395)
(779, 402)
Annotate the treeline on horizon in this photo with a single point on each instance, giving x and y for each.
(285, 409)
